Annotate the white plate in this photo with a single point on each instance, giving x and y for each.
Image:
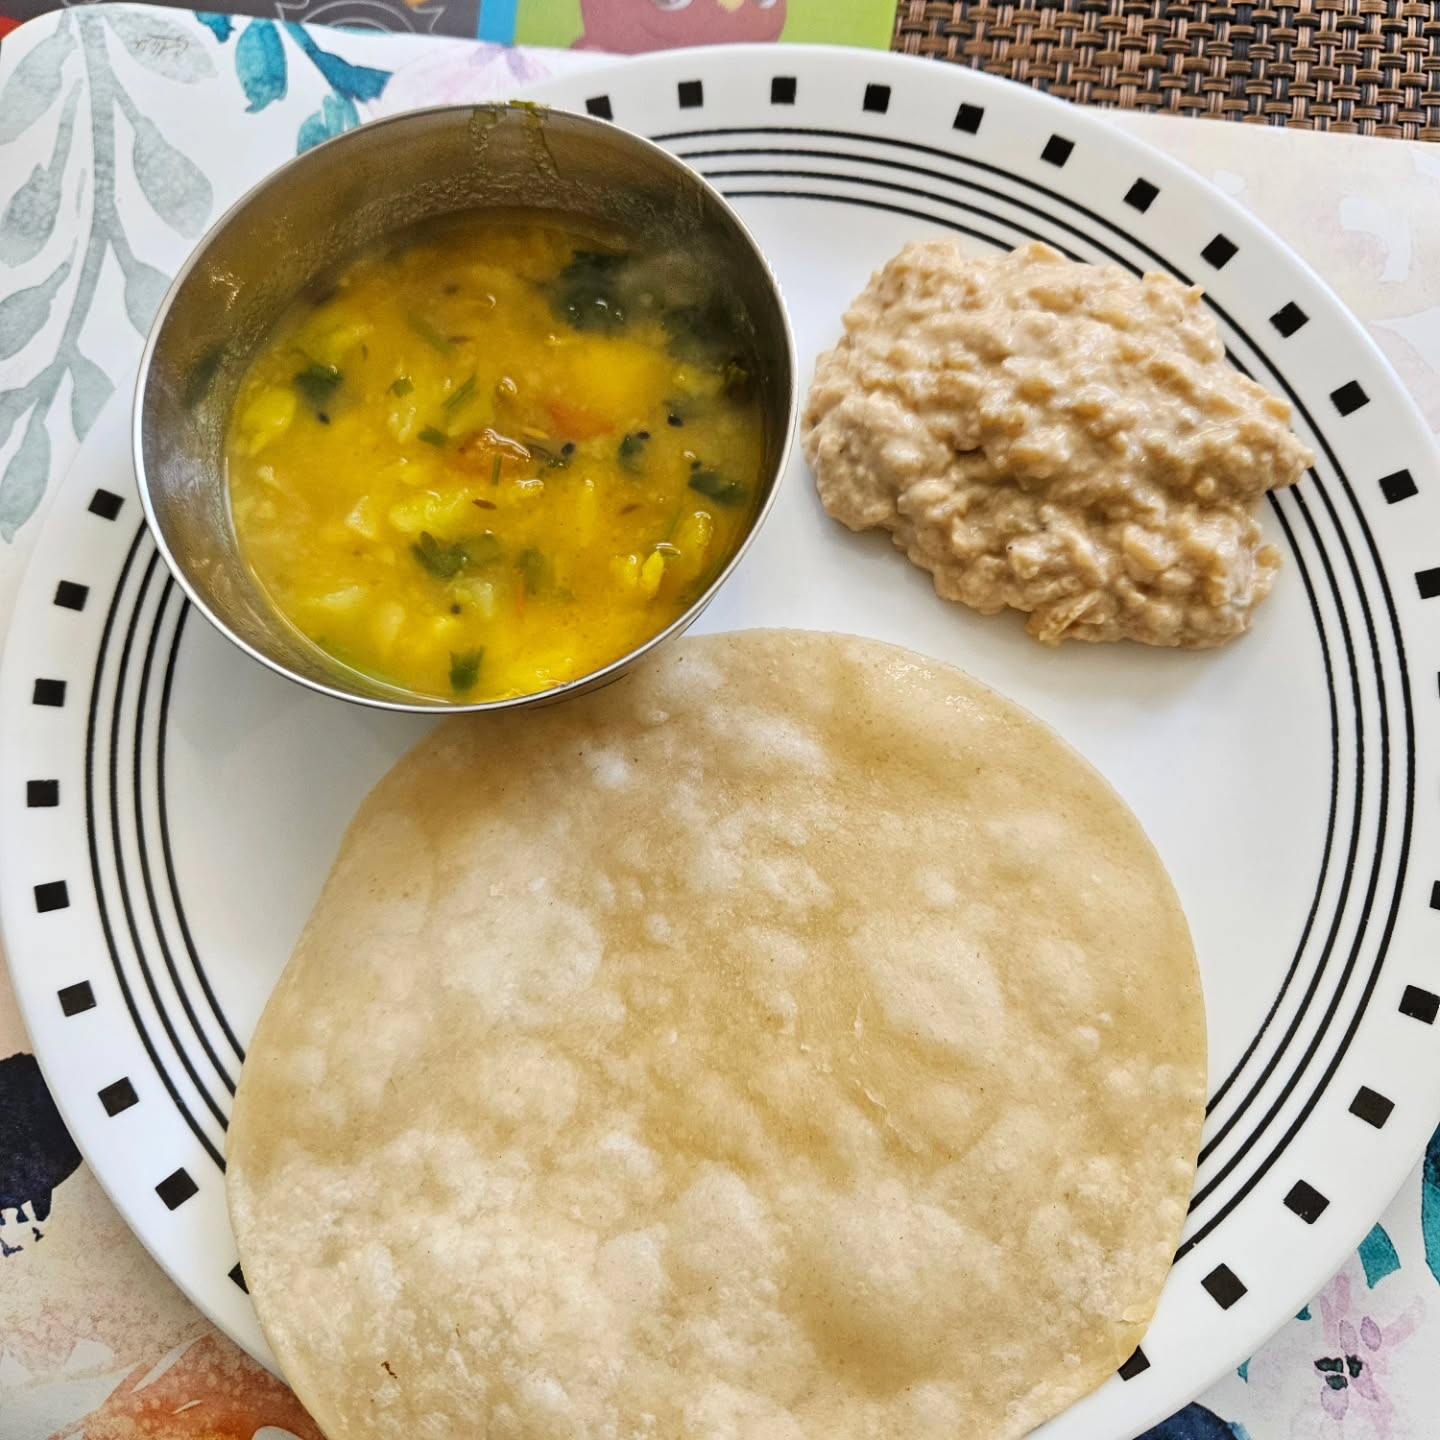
(168, 817)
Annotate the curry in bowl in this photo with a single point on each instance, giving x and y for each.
(496, 453)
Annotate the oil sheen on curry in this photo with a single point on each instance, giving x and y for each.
(495, 455)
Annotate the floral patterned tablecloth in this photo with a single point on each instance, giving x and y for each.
(95, 1341)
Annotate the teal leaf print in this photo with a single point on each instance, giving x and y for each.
(145, 288)
(23, 482)
(177, 189)
(1303, 1313)
(91, 388)
(23, 314)
(34, 83)
(12, 407)
(1377, 1255)
(161, 45)
(260, 64)
(353, 82)
(1430, 1204)
(335, 116)
(29, 218)
(222, 27)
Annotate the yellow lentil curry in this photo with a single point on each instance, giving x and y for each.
(495, 455)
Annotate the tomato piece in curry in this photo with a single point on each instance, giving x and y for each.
(495, 456)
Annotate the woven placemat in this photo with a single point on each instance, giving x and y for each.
(1368, 67)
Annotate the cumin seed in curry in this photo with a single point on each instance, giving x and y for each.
(496, 456)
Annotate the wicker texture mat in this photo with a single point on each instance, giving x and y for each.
(1369, 67)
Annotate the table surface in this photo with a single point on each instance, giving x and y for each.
(95, 1342)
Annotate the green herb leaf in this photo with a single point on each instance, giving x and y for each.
(632, 450)
(431, 436)
(402, 387)
(465, 670)
(531, 565)
(703, 333)
(714, 486)
(429, 334)
(589, 292)
(736, 382)
(495, 467)
(446, 560)
(317, 382)
(443, 561)
(455, 401)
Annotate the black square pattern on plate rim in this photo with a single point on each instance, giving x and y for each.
(1220, 252)
(1421, 1005)
(782, 89)
(238, 1276)
(1142, 195)
(118, 1096)
(1349, 397)
(1428, 582)
(76, 999)
(877, 99)
(48, 692)
(1371, 1106)
(70, 596)
(1304, 1200)
(600, 107)
(1137, 1364)
(42, 794)
(1224, 1286)
(1288, 319)
(1435, 895)
(1057, 150)
(1398, 485)
(690, 94)
(106, 504)
(52, 895)
(176, 1188)
(968, 118)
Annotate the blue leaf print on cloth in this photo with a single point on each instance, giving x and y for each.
(1195, 1422)
(222, 27)
(161, 46)
(1430, 1204)
(177, 189)
(354, 82)
(335, 116)
(80, 48)
(262, 68)
(29, 218)
(260, 65)
(23, 314)
(34, 84)
(23, 483)
(1377, 1255)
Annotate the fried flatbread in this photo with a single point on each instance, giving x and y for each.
(793, 1040)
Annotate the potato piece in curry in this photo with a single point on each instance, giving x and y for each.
(495, 455)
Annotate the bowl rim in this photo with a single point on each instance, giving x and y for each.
(405, 702)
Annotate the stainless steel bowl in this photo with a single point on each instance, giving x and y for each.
(319, 210)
